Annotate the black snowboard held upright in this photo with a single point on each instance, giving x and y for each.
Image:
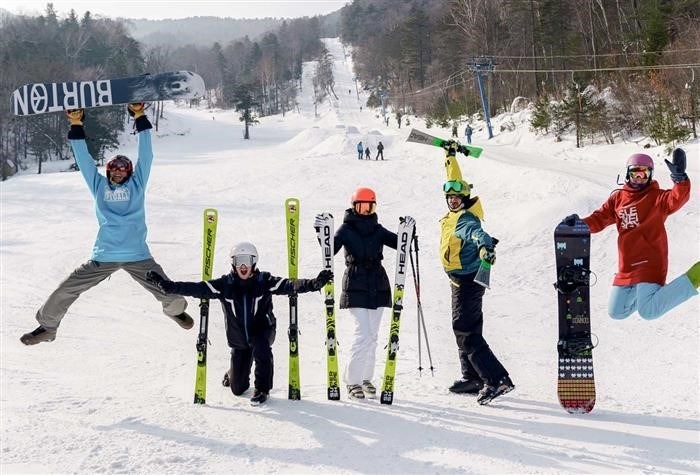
(576, 386)
(42, 98)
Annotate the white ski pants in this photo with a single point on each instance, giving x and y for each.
(363, 351)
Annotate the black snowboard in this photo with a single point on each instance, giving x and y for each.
(41, 98)
(576, 386)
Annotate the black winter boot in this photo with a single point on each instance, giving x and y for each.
(40, 334)
(259, 397)
(184, 320)
(489, 393)
(466, 386)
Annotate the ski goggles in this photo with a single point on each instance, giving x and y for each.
(639, 172)
(456, 186)
(243, 259)
(364, 207)
(118, 164)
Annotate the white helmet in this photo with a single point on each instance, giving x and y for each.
(244, 253)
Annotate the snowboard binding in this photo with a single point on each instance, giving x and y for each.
(571, 278)
(578, 344)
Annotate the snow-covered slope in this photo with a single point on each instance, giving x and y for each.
(113, 393)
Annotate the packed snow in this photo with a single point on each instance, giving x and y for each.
(113, 393)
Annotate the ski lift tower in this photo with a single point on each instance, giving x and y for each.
(482, 65)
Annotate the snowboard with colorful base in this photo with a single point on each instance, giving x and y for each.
(42, 98)
(576, 386)
(417, 136)
(404, 238)
(326, 236)
(208, 245)
(291, 206)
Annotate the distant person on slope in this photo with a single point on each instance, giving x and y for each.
(368, 154)
(639, 210)
(360, 151)
(468, 133)
(246, 298)
(121, 238)
(366, 288)
(463, 245)
(380, 151)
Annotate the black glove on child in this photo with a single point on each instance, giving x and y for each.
(677, 167)
(570, 220)
(323, 278)
(165, 285)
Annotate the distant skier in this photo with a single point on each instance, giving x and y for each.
(246, 298)
(368, 154)
(639, 210)
(463, 245)
(468, 134)
(121, 238)
(380, 151)
(455, 133)
(360, 151)
(366, 288)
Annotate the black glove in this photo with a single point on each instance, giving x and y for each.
(450, 147)
(164, 284)
(137, 111)
(570, 220)
(76, 117)
(677, 168)
(323, 278)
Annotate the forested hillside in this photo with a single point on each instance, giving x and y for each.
(256, 77)
(631, 65)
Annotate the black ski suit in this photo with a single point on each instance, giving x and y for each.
(250, 322)
(365, 283)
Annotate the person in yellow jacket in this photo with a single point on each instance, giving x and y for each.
(463, 245)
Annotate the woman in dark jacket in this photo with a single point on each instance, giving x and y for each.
(246, 297)
(366, 289)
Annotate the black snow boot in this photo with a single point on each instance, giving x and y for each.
(466, 386)
(259, 397)
(184, 320)
(40, 334)
(489, 393)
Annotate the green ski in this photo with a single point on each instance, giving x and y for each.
(291, 206)
(208, 245)
(421, 137)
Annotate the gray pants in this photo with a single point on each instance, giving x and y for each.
(92, 273)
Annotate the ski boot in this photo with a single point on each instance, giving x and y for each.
(259, 397)
(489, 393)
(466, 386)
(355, 391)
(369, 389)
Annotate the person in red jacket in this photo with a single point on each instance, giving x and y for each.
(639, 210)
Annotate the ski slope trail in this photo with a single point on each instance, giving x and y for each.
(113, 393)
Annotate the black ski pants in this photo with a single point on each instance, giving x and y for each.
(242, 361)
(476, 358)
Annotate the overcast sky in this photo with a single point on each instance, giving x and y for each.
(158, 9)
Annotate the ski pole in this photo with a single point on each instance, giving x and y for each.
(421, 319)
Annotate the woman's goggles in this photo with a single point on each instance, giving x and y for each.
(639, 172)
(364, 207)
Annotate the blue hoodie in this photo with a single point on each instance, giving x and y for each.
(120, 209)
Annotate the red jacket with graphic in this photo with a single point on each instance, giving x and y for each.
(640, 215)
